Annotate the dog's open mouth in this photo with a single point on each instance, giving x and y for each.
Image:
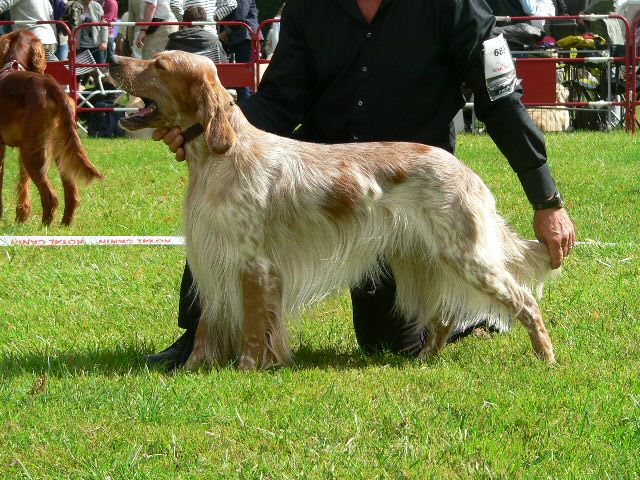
(143, 117)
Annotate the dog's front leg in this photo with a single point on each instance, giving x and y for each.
(255, 293)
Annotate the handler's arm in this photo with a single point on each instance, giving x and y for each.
(510, 126)
(149, 12)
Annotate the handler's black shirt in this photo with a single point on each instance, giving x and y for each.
(396, 79)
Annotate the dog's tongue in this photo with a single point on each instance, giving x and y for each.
(143, 112)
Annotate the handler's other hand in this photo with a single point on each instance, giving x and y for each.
(172, 137)
(554, 228)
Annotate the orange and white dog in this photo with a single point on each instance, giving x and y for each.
(274, 224)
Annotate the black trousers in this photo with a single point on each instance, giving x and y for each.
(376, 324)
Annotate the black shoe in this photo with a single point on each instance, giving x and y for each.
(176, 354)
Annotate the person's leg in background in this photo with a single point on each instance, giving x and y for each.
(51, 47)
(100, 56)
(62, 52)
(157, 41)
(242, 54)
(111, 49)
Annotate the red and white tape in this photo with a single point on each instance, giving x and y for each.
(124, 240)
(74, 241)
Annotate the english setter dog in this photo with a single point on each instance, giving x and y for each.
(273, 224)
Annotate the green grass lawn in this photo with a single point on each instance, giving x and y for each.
(76, 401)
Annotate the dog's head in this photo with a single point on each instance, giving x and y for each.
(25, 48)
(178, 88)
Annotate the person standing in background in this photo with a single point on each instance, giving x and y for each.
(5, 28)
(110, 8)
(215, 10)
(153, 39)
(123, 40)
(134, 14)
(33, 10)
(93, 39)
(196, 39)
(62, 51)
(274, 35)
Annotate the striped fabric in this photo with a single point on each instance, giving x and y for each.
(82, 57)
(216, 9)
(212, 54)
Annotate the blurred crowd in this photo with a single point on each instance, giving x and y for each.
(233, 42)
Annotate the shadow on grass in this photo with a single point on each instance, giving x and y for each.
(331, 359)
(107, 361)
(129, 360)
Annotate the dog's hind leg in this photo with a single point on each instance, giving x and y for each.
(34, 149)
(71, 199)
(436, 339)
(36, 166)
(499, 284)
(23, 207)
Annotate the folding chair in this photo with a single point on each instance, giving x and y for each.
(212, 54)
(61, 72)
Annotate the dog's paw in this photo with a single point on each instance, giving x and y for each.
(247, 363)
(194, 362)
(547, 355)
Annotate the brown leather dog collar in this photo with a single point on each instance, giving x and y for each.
(195, 130)
(192, 132)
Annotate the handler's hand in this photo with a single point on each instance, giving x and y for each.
(554, 228)
(173, 138)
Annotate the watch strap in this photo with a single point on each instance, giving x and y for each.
(555, 201)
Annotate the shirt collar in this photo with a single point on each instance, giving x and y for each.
(351, 7)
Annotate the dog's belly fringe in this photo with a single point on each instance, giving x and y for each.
(324, 257)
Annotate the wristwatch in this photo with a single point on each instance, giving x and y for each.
(554, 201)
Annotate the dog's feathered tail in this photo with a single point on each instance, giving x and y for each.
(528, 261)
(66, 147)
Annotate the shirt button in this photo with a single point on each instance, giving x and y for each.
(355, 137)
(368, 34)
(364, 69)
(360, 103)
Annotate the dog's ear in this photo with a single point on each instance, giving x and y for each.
(213, 101)
(4, 48)
(37, 57)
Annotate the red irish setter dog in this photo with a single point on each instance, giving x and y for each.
(38, 117)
